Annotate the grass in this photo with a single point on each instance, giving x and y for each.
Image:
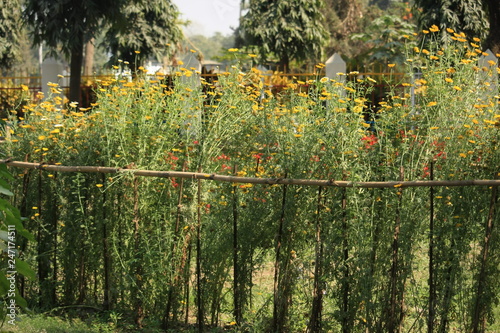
(46, 324)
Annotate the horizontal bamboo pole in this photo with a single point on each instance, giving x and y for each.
(248, 180)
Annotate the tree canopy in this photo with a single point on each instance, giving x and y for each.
(144, 29)
(288, 30)
(67, 25)
(134, 25)
(10, 23)
(468, 16)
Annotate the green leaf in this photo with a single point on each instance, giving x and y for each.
(4, 284)
(24, 269)
(26, 234)
(21, 302)
(16, 221)
(4, 172)
(4, 190)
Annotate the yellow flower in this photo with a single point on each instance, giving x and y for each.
(137, 52)
(449, 80)
(463, 155)
(391, 65)
(233, 50)
(324, 79)
(251, 55)
(24, 87)
(99, 185)
(434, 28)
(431, 103)
(450, 30)
(41, 137)
(457, 88)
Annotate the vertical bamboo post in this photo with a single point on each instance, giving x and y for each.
(41, 271)
(431, 282)
(173, 283)
(43, 249)
(138, 269)
(236, 269)
(278, 315)
(345, 286)
(24, 212)
(373, 259)
(105, 251)
(199, 300)
(480, 306)
(187, 290)
(55, 218)
(317, 303)
(394, 317)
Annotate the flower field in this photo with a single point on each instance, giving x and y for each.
(277, 257)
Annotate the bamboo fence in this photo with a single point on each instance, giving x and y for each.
(249, 180)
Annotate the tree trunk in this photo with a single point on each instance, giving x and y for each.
(89, 58)
(284, 63)
(493, 41)
(76, 72)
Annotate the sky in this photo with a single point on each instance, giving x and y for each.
(209, 16)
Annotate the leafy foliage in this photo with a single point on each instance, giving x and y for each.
(385, 38)
(10, 32)
(213, 47)
(468, 16)
(287, 30)
(149, 27)
(12, 266)
(68, 25)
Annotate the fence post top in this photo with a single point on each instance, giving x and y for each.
(335, 58)
(483, 60)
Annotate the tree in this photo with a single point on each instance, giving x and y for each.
(384, 38)
(10, 32)
(343, 19)
(135, 25)
(288, 30)
(211, 47)
(493, 40)
(468, 16)
(144, 28)
(69, 25)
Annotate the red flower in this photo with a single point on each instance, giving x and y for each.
(370, 141)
